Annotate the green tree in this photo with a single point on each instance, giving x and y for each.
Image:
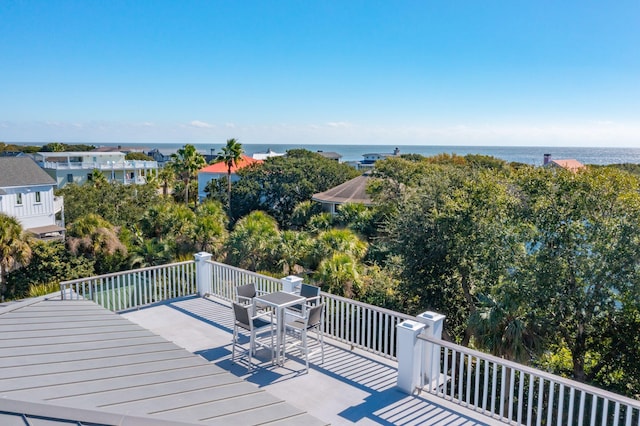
(141, 156)
(15, 248)
(50, 264)
(254, 242)
(295, 250)
(185, 163)
(339, 274)
(210, 227)
(584, 257)
(96, 238)
(122, 205)
(279, 184)
(230, 155)
(97, 178)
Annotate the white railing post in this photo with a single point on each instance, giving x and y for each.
(204, 278)
(434, 323)
(409, 355)
(291, 284)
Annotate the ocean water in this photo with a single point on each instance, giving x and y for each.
(522, 154)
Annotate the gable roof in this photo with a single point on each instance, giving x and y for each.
(220, 167)
(22, 171)
(352, 191)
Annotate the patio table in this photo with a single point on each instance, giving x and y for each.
(279, 301)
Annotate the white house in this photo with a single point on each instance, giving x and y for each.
(26, 193)
(219, 170)
(75, 167)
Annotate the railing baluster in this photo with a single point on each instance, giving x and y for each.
(521, 376)
(550, 401)
(530, 401)
(512, 384)
(446, 371)
(541, 398)
(468, 393)
(560, 405)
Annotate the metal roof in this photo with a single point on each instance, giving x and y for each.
(22, 171)
(100, 367)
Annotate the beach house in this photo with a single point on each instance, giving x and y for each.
(75, 167)
(26, 193)
(219, 170)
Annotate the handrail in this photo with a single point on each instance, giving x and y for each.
(516, 392)
(367, 327)
(132, 289)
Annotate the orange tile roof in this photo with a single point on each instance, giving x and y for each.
(571, 164)
(220, 167)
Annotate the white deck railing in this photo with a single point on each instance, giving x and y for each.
(131, 289)
(358, 324)
(226, 278)
(361, 325)
(517, 394)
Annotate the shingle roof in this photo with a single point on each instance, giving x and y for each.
(220, 167)
(22, 171)
(352, 191)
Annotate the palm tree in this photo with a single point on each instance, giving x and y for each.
(230, 155)
(254, 241)
(93, 236)
(97, 178)
(14, 247)
(185, 163)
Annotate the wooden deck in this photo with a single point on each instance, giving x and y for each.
(74, 360)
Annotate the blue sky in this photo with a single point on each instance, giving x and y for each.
(550, 73)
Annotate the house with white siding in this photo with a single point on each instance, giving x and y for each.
(26, 193)
(75, 167)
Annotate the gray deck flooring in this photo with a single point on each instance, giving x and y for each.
(351, 387)
(73, 360)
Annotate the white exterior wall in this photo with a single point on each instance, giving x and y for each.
(204, 178)
(30, 213)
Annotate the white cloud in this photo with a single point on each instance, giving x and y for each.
(230, 125)
(201, 124)
(340, 124)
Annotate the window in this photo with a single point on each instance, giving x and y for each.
(69, 178)
(19, 199)
(38, 199)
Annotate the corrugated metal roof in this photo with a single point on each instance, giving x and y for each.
(352, 191)
(22, 171)
(77, 354)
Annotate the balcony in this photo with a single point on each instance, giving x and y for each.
(380, 367)
(106, 165)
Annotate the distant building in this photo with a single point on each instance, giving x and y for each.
(75, 167)
(218, 170)
(159, 157)
(331, 155)
(119, 148)
(370, 159)
(267, 154)
(568, 164)
(26, 193)
(351, 191)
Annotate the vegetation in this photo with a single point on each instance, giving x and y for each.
(280, 183)
(185, 163)
(230, 155)
(535, 265)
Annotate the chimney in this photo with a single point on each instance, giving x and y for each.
(212, 152)
(547, 159)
